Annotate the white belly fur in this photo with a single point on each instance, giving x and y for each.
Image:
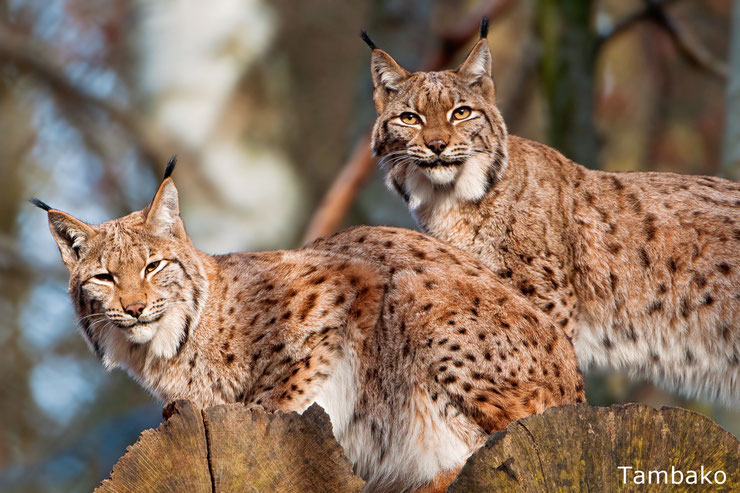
(419, 441)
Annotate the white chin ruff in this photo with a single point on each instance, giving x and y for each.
(442, 175)
(140, 334)
(429, 186)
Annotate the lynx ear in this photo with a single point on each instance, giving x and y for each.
(387, 76)
(71, 234)
(386, 71)
(163, 214)
(478, 63)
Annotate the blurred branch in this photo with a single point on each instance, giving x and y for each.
(154, 143)
(342, 193)
(690, 48)
(646, 13)
(32, 57)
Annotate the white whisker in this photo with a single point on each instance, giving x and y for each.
(98, 314)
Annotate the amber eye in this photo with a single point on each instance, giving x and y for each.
(152, 266)
(104, 277)
(410, 118)
(461, 113)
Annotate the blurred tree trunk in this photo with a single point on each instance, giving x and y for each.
(16, 129)
(567, 76)
(731, 158)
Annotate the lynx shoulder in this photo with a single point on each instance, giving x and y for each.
(414, 348)
(642, 269)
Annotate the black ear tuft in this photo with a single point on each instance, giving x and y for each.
(170, 167)
(366, 38)
(484, 28)
(40, 204)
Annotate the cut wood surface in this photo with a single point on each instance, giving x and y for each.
(579, 448)
(258, 451)
(229, 449)
(570, 448)
(172, 458)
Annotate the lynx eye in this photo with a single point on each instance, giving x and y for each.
(104, 277)
(152, 266)
(409, 118)
(461, 113)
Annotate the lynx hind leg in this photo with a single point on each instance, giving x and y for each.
(482, 347)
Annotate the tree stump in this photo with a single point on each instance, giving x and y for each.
(569, 448)
(579, 448)
(229, 448)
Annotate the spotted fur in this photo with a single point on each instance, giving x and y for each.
(416, 350)
(643, 269)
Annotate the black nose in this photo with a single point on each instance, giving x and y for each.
(437, 146)
(135, 309)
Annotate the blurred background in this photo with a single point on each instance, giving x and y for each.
(265, 103)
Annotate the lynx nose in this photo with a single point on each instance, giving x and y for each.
(135, 309)
(437, 146)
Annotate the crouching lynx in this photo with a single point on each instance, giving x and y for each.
(415, 349)
(642, 268)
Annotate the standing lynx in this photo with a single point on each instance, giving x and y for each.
(643, 269)
(414, 348)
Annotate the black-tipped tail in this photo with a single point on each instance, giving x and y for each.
(170, 167)
(484, 28)
(40, 204)
(366, 38)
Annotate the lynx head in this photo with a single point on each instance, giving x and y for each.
(137, 283)
(438, 132)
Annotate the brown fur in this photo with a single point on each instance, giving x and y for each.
(415, 349)
(643, 269)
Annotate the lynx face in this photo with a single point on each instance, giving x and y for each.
(438, 132)
(135, 280)
(133, 284)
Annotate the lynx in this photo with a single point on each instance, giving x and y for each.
(642, 269)
(414, 348)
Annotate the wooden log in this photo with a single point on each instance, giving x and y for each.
(286, 452)
(229, 448)
(570, 448)
(579, 448)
